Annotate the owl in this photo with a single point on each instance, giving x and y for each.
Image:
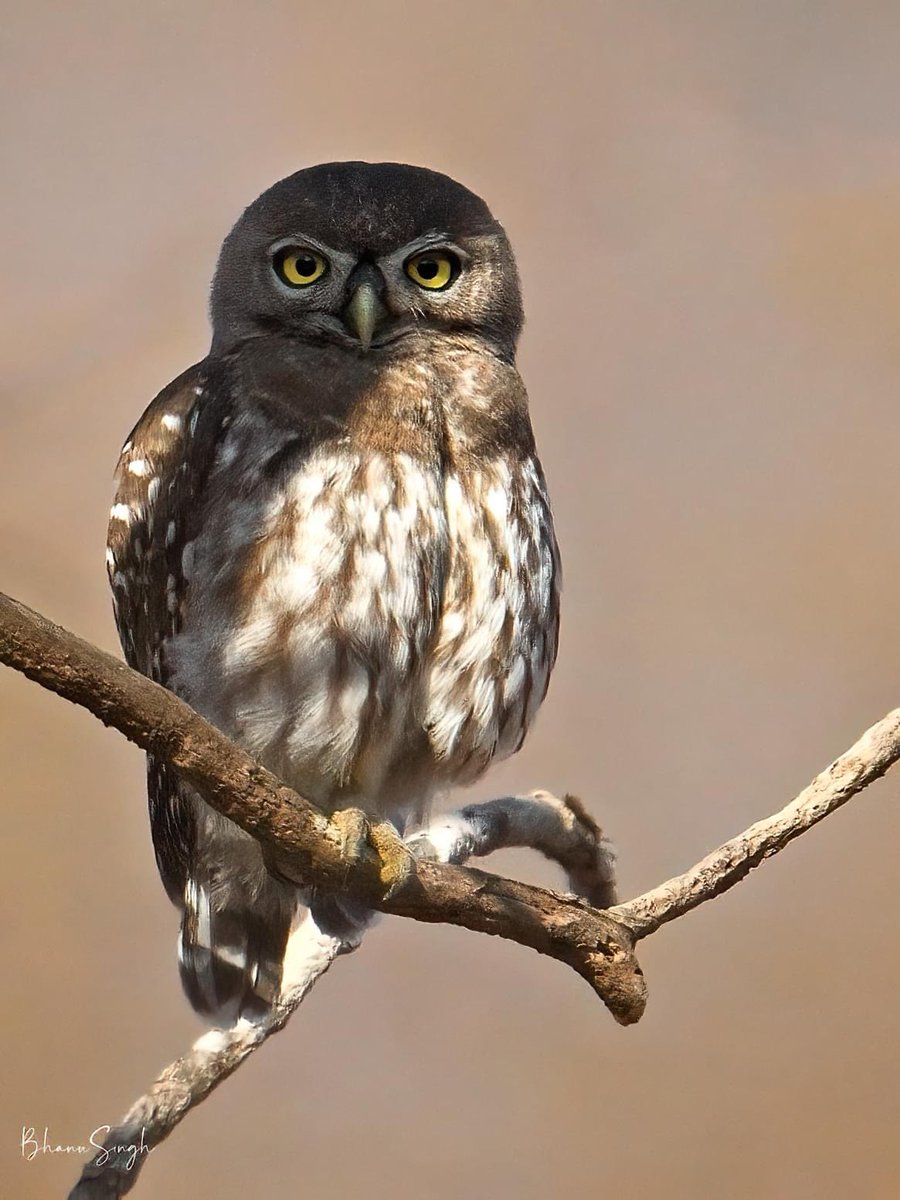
(332, 537)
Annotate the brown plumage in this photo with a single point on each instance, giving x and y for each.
(333, 537)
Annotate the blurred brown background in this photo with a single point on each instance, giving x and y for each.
(705, 199)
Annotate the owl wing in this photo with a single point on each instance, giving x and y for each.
(154, 518)
(235, 918)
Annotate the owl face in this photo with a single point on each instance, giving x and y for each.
(366, 256)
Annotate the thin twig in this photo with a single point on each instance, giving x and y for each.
(561, 829)
(113, 1171)
(867, 760)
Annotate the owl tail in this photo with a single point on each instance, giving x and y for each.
(232, 947)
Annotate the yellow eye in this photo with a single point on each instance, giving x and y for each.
(433, 269)
(299, 267)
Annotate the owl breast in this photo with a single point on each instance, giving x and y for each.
(375, 622)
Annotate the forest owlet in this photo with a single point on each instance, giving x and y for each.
(332, 536)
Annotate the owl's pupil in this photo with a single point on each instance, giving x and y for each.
(427, 268)
(305, 266)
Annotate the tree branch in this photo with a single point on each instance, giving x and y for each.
(596, 942)
(299, 837)
(867, 760)
(113, 1171)
(563, 830)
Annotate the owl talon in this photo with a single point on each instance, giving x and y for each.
(359, 833)
(398, 864)
(353, 825)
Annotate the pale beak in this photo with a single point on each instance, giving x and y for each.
(363, 313)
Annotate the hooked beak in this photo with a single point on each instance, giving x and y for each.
(363, 313)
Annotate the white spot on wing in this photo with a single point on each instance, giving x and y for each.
(226, 453)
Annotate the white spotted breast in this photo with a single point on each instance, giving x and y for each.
(497, 637)
(314, 599)
(373, 625)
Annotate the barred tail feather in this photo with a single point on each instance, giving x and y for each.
(232, 949)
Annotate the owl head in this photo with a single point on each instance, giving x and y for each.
(365, 255)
